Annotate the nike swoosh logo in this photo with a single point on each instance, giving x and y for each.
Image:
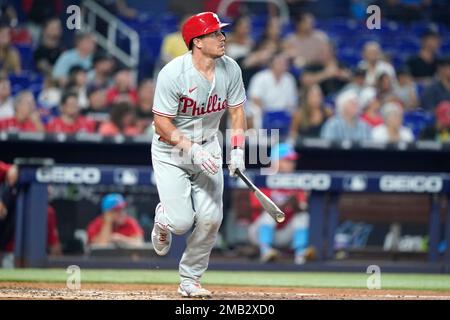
(192, 89)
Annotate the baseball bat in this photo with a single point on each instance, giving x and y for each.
(265, 201)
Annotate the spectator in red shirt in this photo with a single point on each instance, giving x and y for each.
(370, 105)
(122, 121)
(114, 226)
(264, 231)
(26, 116)
(123, 89)
(70, 120)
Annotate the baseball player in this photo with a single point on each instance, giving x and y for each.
(193, 92)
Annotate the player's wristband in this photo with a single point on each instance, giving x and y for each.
(238, 141)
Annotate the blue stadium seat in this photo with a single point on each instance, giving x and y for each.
(26, 56)
(280, 120)
(417, 120)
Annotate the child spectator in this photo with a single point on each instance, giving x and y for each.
(26, 116)
(50, 96)
(122, 121)
(70, 121)
(392, 130)
(123, 89)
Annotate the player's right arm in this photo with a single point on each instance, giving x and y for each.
(165, 128)
(165, 109)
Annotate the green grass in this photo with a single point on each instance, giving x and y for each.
(285, 279)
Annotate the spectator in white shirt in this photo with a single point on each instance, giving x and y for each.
(392, 130)
(273, 90)
(374, 65)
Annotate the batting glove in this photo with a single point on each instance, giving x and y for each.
(236, 161)
(203, 159)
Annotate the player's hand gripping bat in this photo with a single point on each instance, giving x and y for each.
(265, 201)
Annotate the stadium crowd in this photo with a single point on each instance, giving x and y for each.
(295, 82)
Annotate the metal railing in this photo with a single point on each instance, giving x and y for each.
(94, 12)
(284, 10)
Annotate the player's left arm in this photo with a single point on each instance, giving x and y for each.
(238, 126)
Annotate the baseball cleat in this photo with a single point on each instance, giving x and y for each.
(193, 290)
(161, 237)
(268, 255)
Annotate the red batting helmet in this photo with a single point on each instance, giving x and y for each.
(200, 24)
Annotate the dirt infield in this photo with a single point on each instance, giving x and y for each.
(102, 291)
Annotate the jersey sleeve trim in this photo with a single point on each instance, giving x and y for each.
(159, 113)
(237, 104)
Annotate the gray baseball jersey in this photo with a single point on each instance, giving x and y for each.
(183, 93)
(187, 194)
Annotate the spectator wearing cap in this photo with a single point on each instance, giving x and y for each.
(440, 131)
(101, 74)
(26, 116)
(346, 124)
(81, 55)
(49, 48)
(123, 89)
(70, 121)
(6, 99)
(144, 114)
(423, 65)
(293, 232)
(392, 130)
(9, 56)
(122, 121)
(114, 226)
(369, 106)
(97, 109)
(439, 89)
